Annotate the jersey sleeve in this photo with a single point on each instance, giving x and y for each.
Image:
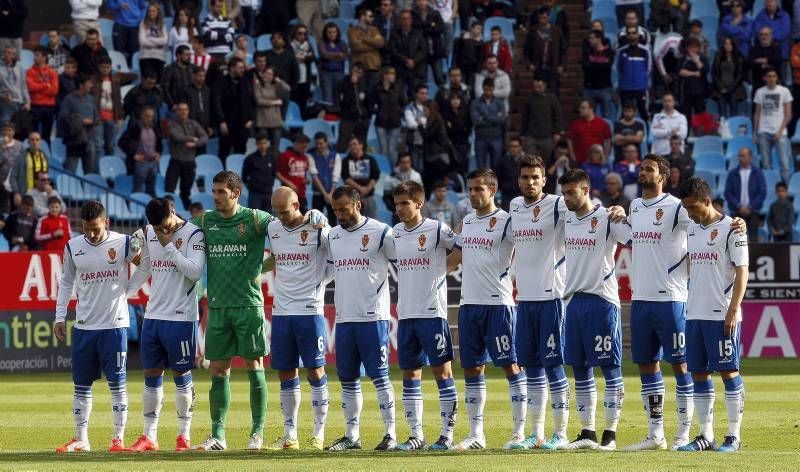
(262, 220)
(142, 271)
(682, 219)
(66, 285)
(620, 232)
(387, 244)
(447, 237)
(191, 265)
(737, 249)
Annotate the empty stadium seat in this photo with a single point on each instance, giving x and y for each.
(234, 163)
(205, 199)
(163, 163)
(208, 166)
(736, 124)
(94, 187)
(312, 127)
(707, 144)
(111, 167)
(264, 42)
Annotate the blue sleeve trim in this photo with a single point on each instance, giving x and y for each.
(457, 246)
(319, 238)
(556, 213)
(380, 287)
(127, 245)
(383, 235)
(608, 227)
(505, 273)
(505, 229)
(728, 239)
(728, 289)
(677, 264)
(439, 285)
(193, 233)
(608, 275)
(69, 249)
(561, 261)
(191, 290)
(677, 214)
(438, 233)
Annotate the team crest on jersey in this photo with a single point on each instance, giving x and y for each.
(112, 255)
(712, 237)
(364, 243)
(304, 237)
(659, 216)
(242, 229)
(594, 225)
(422, 239)
(492, 224)
(178, 243)
(536, 211)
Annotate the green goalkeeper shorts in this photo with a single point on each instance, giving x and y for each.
(239, 331)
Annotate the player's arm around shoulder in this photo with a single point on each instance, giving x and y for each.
(620, 230)
(192, 264)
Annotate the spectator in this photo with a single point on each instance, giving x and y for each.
(669, 122)
(153, 41)
(309, 13)
(20, 227)
(745, 191)
(386, 102)
(85, 16)
(626, 9)
(386, 22)
(778, 21)
(693, 73)
(541, 118)
(557, 165)
(31, 162)
(669, 13)
(128, 14)
(436, 147)
(727, 77)
(765, 53)
(627, 130)
(325, 175)
(457, 120)
(365, 46)
(439, 208)
(53, 230)
(304, 56)
(333, 53)
(488, 115)
(360, 170)
(634, 66)
(283, 60)
(217, 31)
(448, 10)
(293, 168)
(142, 146)
(241, 49)
(468, 52)
(632, 21)
(696, 32)
(88, 53)
(507, 170)
(414, 118)
(597, 169)
(42, 83)
(41, 193)
(586, 46)
(545, 49)
(77, 120)
(201, 58)
(780, 217)
(107, 91)
(668, 58)
(558, 17)
(407, 50)
(404, 171)
(355, 112)
(428, 20)
(675, 181)
(67, 81)
(10, 154)
(57, 51)
(177, 76)
(677, 157)
(773, 112)
(738, 27)
(612, 195)
(248, 11)
(236, 110)
(146, 94)
(185, 137)
(268, 89)
(258, 174)
(627, 167)
(586, 131)
(498, 46)
(501, 81)
(183, 30)
(198, 97)
(12, 22)
(455, 84)
(597, 64)
(13, 86)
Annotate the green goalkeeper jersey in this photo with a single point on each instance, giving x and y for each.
(235, 252)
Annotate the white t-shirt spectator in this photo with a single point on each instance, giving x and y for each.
(772, 102)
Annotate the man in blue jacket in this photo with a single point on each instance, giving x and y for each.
(634, 64)
(127, 16)
(778, 20)
(745, 190)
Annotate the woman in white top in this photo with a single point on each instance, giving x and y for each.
(305, 57)
(152, 41)
(183, 30)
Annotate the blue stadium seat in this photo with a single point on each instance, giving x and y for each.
(160, 182)
(293, 118)
(117, 208)
(208, 166)
(712, 162)
(704, 8)
(735, 124)
(163, 163)
(343, 24)
(234, 163)
(609, 24)
(118, 61)
(111, 166)
(285, 144)
(707, 144)
(135, 61)
(175, 198)
(735, 145)
(312, 127)
(710, 26)
(94, 187)
(69, 187)
(213, 146)
(26, 58)
(141, 197)
(205, 199)
(58, 151)
(383, 163)
(106, 29)
(123, 184)
(347, 10)
(772, 177)
(603, 9)
(264, 42)
(4, 247)
(506, 27)
(709, 177)
(794, 185)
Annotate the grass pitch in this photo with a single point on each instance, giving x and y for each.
(35, 418)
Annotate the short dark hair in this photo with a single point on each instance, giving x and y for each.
(696, 188)
(496, 28)
(488, 176)
(301, 138)
(258, 54)
(92, 31)
(82, 79)
(261, 136)
(768, 69)
(41, 50)
(321, 135)
(410, 188)
(629, 105)
(419, 87)
(488, 82)
(149, 74)
(439, 184)
(346, 191)
(229, 178)
(181, 49)
(403, 155)
(234, 61)
(532, 162)
(196, 206)
(515, 139)
(92, 209)
(52, 200)
(780, 185)
(157, 210)
(574, 176)
(661, 163)
(104, 60)
(27, 200)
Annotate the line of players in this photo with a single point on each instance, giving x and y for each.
(564, 250)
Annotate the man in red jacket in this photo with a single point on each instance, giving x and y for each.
(53, 231)
(499, 47)
(42, 84)
(293, 168)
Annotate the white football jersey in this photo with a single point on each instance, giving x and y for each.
(360, 258)
(175, 270)
(422, 268)
(714, 253)
(487, 250)
(591, 242)
(99, 273)
(300, 262)
(538, 232)
(658, 237)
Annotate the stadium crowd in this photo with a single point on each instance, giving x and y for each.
(418, 89)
